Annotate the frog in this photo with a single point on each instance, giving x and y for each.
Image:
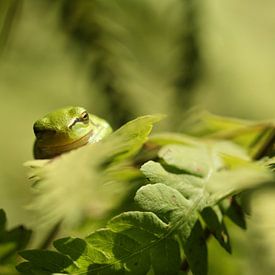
(66, 129)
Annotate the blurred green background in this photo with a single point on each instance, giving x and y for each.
(124, 58)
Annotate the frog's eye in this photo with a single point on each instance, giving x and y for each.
(85, 117)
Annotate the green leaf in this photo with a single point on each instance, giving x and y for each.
(49, 261)
(166, 202)
(89, 181)
(26, 268)
(213, 218)
(211, 167)
(120, 251)
(225, 183)
(256, 137)
(130, 137)
(166, 257)
(11, 240)
(187, 185)
(165, 138)
(203, 123)
(3, 220)
(234, 211)
(260, 232)
(141, 226)
(129, 244)
(72, 247)
(192, 160)
(198, 191)
(135, 242)
(195, 250)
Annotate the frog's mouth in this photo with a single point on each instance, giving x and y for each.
(52, 150)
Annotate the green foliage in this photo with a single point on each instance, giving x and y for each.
(256, 137)
(182, 205)
(143, 56)
(261, 233)
(11, 241)
(141, 60)
(9, 10)
(91, 180)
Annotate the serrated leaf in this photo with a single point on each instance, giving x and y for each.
(213, 218)
(256, 137)
(88, 181)
(225, 183)
(129, 244)
(134, 242)
(141, 226)
(122, 253)
(187, 185)
(80, 252)
(49, 261)
(200, 188)
(190, 159)
(211, 166)
(170, 205)
(233, 210)
(162, 260)
(195, 250)
(166, 202)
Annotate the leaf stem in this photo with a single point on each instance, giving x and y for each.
(50, 236)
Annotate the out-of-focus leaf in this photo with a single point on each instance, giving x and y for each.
(11, 241)
(234, 211)
(165, 138)
(258, 138)
(26, 268)
(227, 183)
(9, 10)
(88, 181)
(213, 218)
(131, 73)
(50, 261)
(193, 160)
(261, 233)
(195, 250)
(136, 241)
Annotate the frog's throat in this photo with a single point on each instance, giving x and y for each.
(49, 151)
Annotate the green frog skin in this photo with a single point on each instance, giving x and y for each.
(66, 129)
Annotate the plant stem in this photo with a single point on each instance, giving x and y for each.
(50, 236)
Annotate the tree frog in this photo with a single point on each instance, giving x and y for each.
(66, 129)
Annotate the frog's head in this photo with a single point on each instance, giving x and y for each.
(66, 129)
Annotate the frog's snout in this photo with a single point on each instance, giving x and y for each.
(42, 132)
